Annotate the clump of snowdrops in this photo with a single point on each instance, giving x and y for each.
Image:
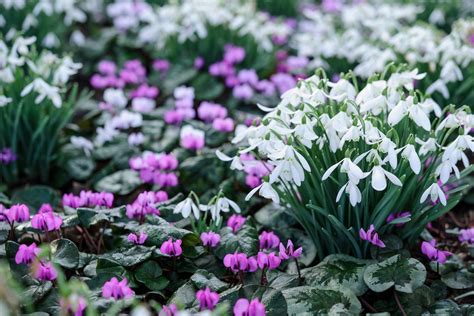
(345, 156)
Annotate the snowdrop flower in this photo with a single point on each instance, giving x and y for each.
(82, 143)
(4, 100)
(438, 86)
(265, 189)
(410, 154)
(353, 171)
(355, 196)
(66, 69)
(342, 89)
(380, 176)
(44, 91)
(430, 145)
(236, 163)
(185, 207)
(115, 97)
(435, 193)
(222, 204)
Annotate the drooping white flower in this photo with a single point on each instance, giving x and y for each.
(4, 100)
(222, 204)
(380, 176)
(266, 190)
(410, 154)
(355, 196)
(341, 90)
(236, 163)
(44, 91)
(185, 208)
(434, 192)
(353, 171)
(115, 97)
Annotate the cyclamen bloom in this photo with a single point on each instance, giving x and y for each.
(7, 156)
(207, 299)
(288, 251)
(467, 235)
(44, 271)
(74, 304)
(270, 261)
(26, 254)
(137, 239)
(88, 199)
(210, 239)
(429, 249)
(17, 213)
(235, 222)
(117, 290)
(268, 240)
(245, 308)
(240, 262)
(171, 248)
(191, 138)
(223, 125)
(371, 236)
(142, 206)
(168, 310)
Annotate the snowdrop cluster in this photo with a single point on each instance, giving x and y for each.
(190, 20)
(328, 140)
(371, 35)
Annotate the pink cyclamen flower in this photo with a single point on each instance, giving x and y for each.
(161, 65)
(207, 299)
(467, 235)
(198, 62)
(47, 221)
(142, 206)
(73, 305)
(236, 262)
(171, 248)
(235, 222)
(371, 236)
(18, 213)
(137, 239)
(288, 252)
(210, 239)
(107, 67)
(245, 308)
(429, 249)
(394, 216)
(268, 240)
(191, 138)
(26, 254)
(44, 271)
(225, 125)
(168, 310)
(242, 92)
(270, 261)
(117, 290)
(233, 54)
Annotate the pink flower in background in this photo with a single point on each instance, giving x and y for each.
(268, 240)
(173, 117)
(73, 305)
(161, 65)
(107, 67)
(223, 125)
(332, 5)
(17, 213)
(168, 310)
(171, 248)
(248, 76)
(207, 299)
(26, 254)
(191, 138)
(233, 54)
(270, 261)
(394, 216)
(210, 239)
(137, 239)
(252, 181)
(266, 87)
(71, 200)
(7, 156)
(198, 62)
(283, 82)
(143, 205)
(371, 236)
(161, 196)
(467, 235)
(471, 39)
(236, 262)
(428, 248)
(245, 308)
(145, 91)
(47, 221)
(117, 290)
(44, 271)
(235, 222)
(288, 252)
(209, 111)
(242, 92)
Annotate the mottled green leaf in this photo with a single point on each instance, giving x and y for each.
(121, 182)
(64, 253)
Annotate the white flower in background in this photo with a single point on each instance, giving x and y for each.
(222, 204)
(82, 143)
(105, 134)
(352, 170)
(183, 92)
(438, 86)
(126, 119)
(66, 69)
(143, 105)
(289, 164)
(136, 139)
(380, 176)
(186, 207)
(434, 192)
(15, 4)
(444, 170)
(451, 72)
(50, 40)
(236, 163)
(115, 97)
(342, 89)
(266, 190)
(44, 91)
(4, 100)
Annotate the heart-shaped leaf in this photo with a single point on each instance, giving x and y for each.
(121, 182)
(203, 279)
(245, 240)
(406, 274)
(149, 273)
(65, 253)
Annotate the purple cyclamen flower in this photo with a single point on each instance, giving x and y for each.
(44, 271)
(283, 82)
(236, 262)
(173, 117)
(73, 305)
(142, 206)
(209, 111)
(371, 236)
(248, 76)
(266, 87)
(198, 62)
(233, 54)
(207, 299)
(168, 310)
(210, 239)
(161, 65)
(268, 240)
(270, 261)
(245, 308)
(107, 67)
(7, 156)
(191, 138)
(117, 290)
(145, 91)
(46, 220)
(467, 235)
(429, 249)
(288, 251)
(235, 222)
(137, 239)
(242, 92)
(223, 125)
(18, 213)
(161, 196)
(394, 216)
(332, 5)
(26, 254)
(171, 248)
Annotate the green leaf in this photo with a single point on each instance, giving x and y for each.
(246, 240)
(128, 257)
(37, 291)
(459, 280)
(121, 182)
(207, 87)
(89, 216)
(203, 279)
(312, 300)
(80, 168)
(150, 274)
(107, 266)
(36, 195)
(184, 296)
(159, 231)
(405, 274)
(274, 301)
(64, 253)
(338, 271)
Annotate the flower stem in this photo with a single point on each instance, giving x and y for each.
(299, 271)
(398, 303)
